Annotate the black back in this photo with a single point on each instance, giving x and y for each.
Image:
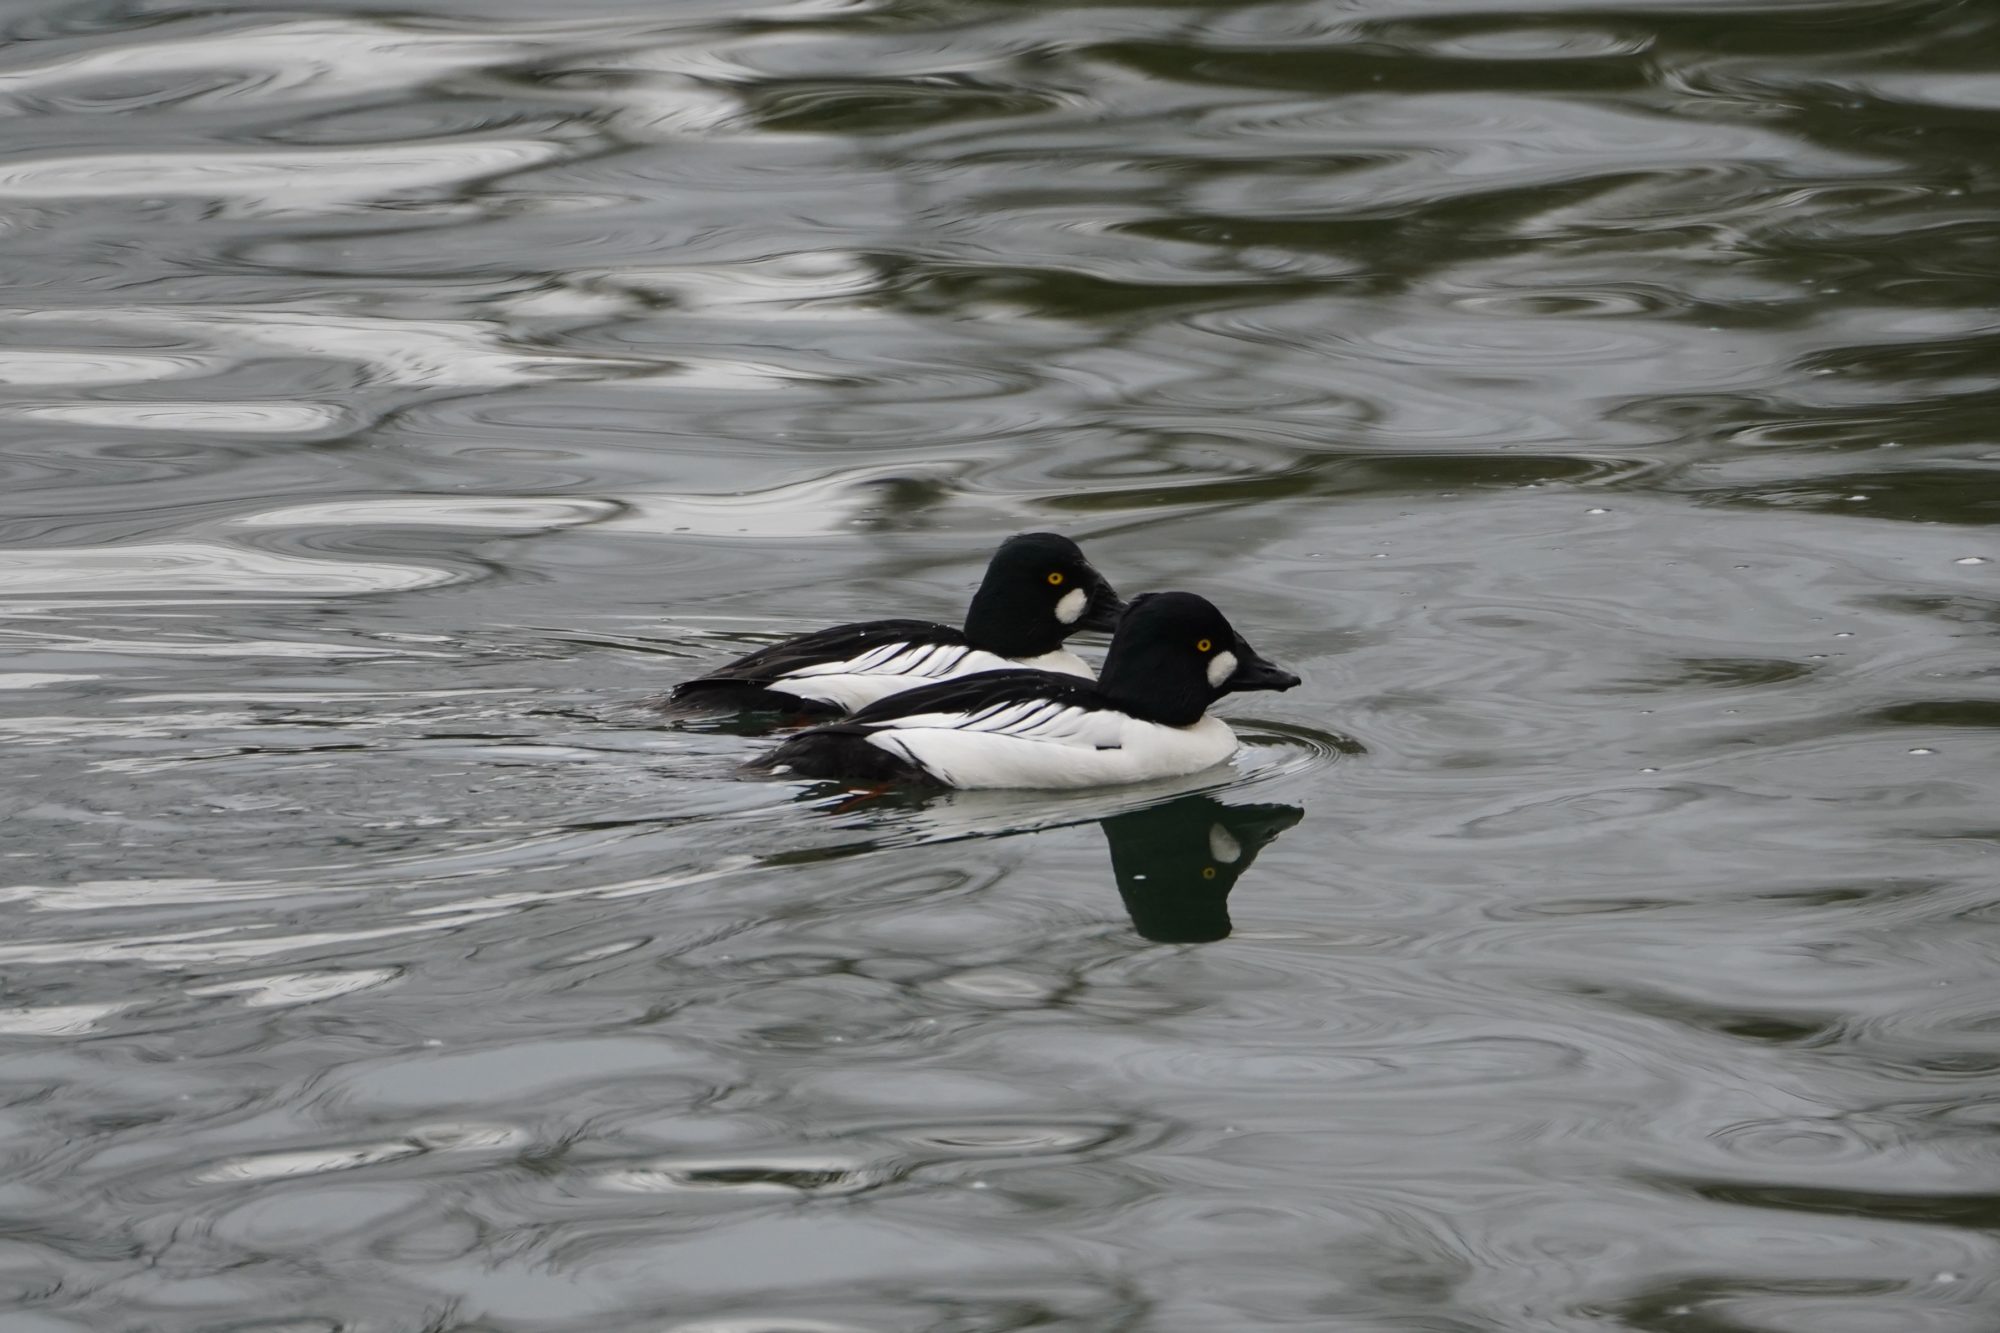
(834, 644)
(972, 695)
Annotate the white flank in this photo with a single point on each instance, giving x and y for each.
(1038, 743)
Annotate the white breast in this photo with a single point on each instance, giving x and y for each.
(896, 667)
(1094, 749)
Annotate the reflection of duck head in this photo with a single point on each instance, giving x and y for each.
(1176, 862)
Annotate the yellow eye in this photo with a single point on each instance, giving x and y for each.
(1203, 645)
(1055, 578)
(1208, 872)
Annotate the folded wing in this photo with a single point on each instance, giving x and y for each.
(885, 647)
(836, 669)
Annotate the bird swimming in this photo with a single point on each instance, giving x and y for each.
(1038, 590)
(1173, 655)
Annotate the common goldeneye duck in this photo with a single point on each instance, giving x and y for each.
(1038, 591)
(1143, 718)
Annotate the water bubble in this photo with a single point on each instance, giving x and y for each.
(1889, 444)
(1379, 555)
(1852, 498)
(1946, 1276)
(1597, 511)
(1649, 770)
(1843, 634)
(1922, 749)
(1972, 560)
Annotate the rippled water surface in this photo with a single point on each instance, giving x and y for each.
(1595, 400)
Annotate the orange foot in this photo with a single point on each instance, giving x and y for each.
(858, 797)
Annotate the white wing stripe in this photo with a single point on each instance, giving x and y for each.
(1042, 719)
(889, 659)
(943, 659)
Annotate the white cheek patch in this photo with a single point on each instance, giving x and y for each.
(1220, 668)
(1070, 609)
(1222, 847)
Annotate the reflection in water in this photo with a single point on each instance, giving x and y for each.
(1177, 862)
(1593, 399)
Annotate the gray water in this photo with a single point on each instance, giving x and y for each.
(1595, 402)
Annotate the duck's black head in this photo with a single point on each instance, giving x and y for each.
(1174, 655)
(1038, 591)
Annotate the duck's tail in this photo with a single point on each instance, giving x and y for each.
(709, 697)
(842, 754)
